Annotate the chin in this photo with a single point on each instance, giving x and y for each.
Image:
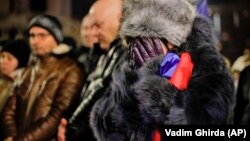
(6, 73)
(104, 46)
(39, 53)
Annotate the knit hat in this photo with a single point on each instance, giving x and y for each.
(166, 19)
(50, 23)
(20, 49)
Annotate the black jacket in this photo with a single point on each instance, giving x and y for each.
(141, 100)
(88, 57)
(242, 108)
(97, 82)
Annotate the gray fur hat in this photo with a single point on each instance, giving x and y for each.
(168, 19)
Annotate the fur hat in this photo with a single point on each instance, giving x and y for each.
(50, 23)
(20, 49)
(168, 19)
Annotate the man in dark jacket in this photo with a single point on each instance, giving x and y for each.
(176, 77)
(107, 14)
(48, 88)
(242, 108)
(90, 51)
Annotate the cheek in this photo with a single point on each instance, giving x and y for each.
(49, 46)
(84, 34)
(13, 65)
(10, 67)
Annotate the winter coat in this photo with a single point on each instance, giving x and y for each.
(242, 108)
(88, 58)
(47, 92)
(139, 101)
(6, 84)
(78, 127)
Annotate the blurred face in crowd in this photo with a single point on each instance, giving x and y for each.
(8, 63)
(107, 15)
(41, 41)
(88, 32)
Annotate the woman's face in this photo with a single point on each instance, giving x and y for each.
(8, 63)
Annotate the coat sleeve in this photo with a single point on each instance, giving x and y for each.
(210, 95)
(8, 118)
(105, 114)
(209, 100)
(8, 115)
(155, 95)
(111, 115)
(242, 98)
(78, 126)
(67, 93)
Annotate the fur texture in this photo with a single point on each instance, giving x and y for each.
(168, 19)
(141, 100)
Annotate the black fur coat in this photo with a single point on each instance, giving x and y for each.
(139, 101)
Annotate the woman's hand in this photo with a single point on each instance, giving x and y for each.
(144, 49)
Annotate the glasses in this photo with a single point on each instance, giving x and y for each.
(39, 35)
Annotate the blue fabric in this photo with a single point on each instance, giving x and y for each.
(169, 64)
(202, 8)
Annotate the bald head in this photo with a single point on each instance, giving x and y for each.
(107, 8)
(107, 15)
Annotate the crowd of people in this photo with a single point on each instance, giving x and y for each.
(143, 65)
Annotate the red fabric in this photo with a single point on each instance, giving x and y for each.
(179, 79)
(157, 135)
(183, 72)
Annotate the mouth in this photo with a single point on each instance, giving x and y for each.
(35, 49)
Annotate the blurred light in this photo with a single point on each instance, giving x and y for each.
(217, 23)
(236, 19)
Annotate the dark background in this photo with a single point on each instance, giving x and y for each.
(234, 18)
